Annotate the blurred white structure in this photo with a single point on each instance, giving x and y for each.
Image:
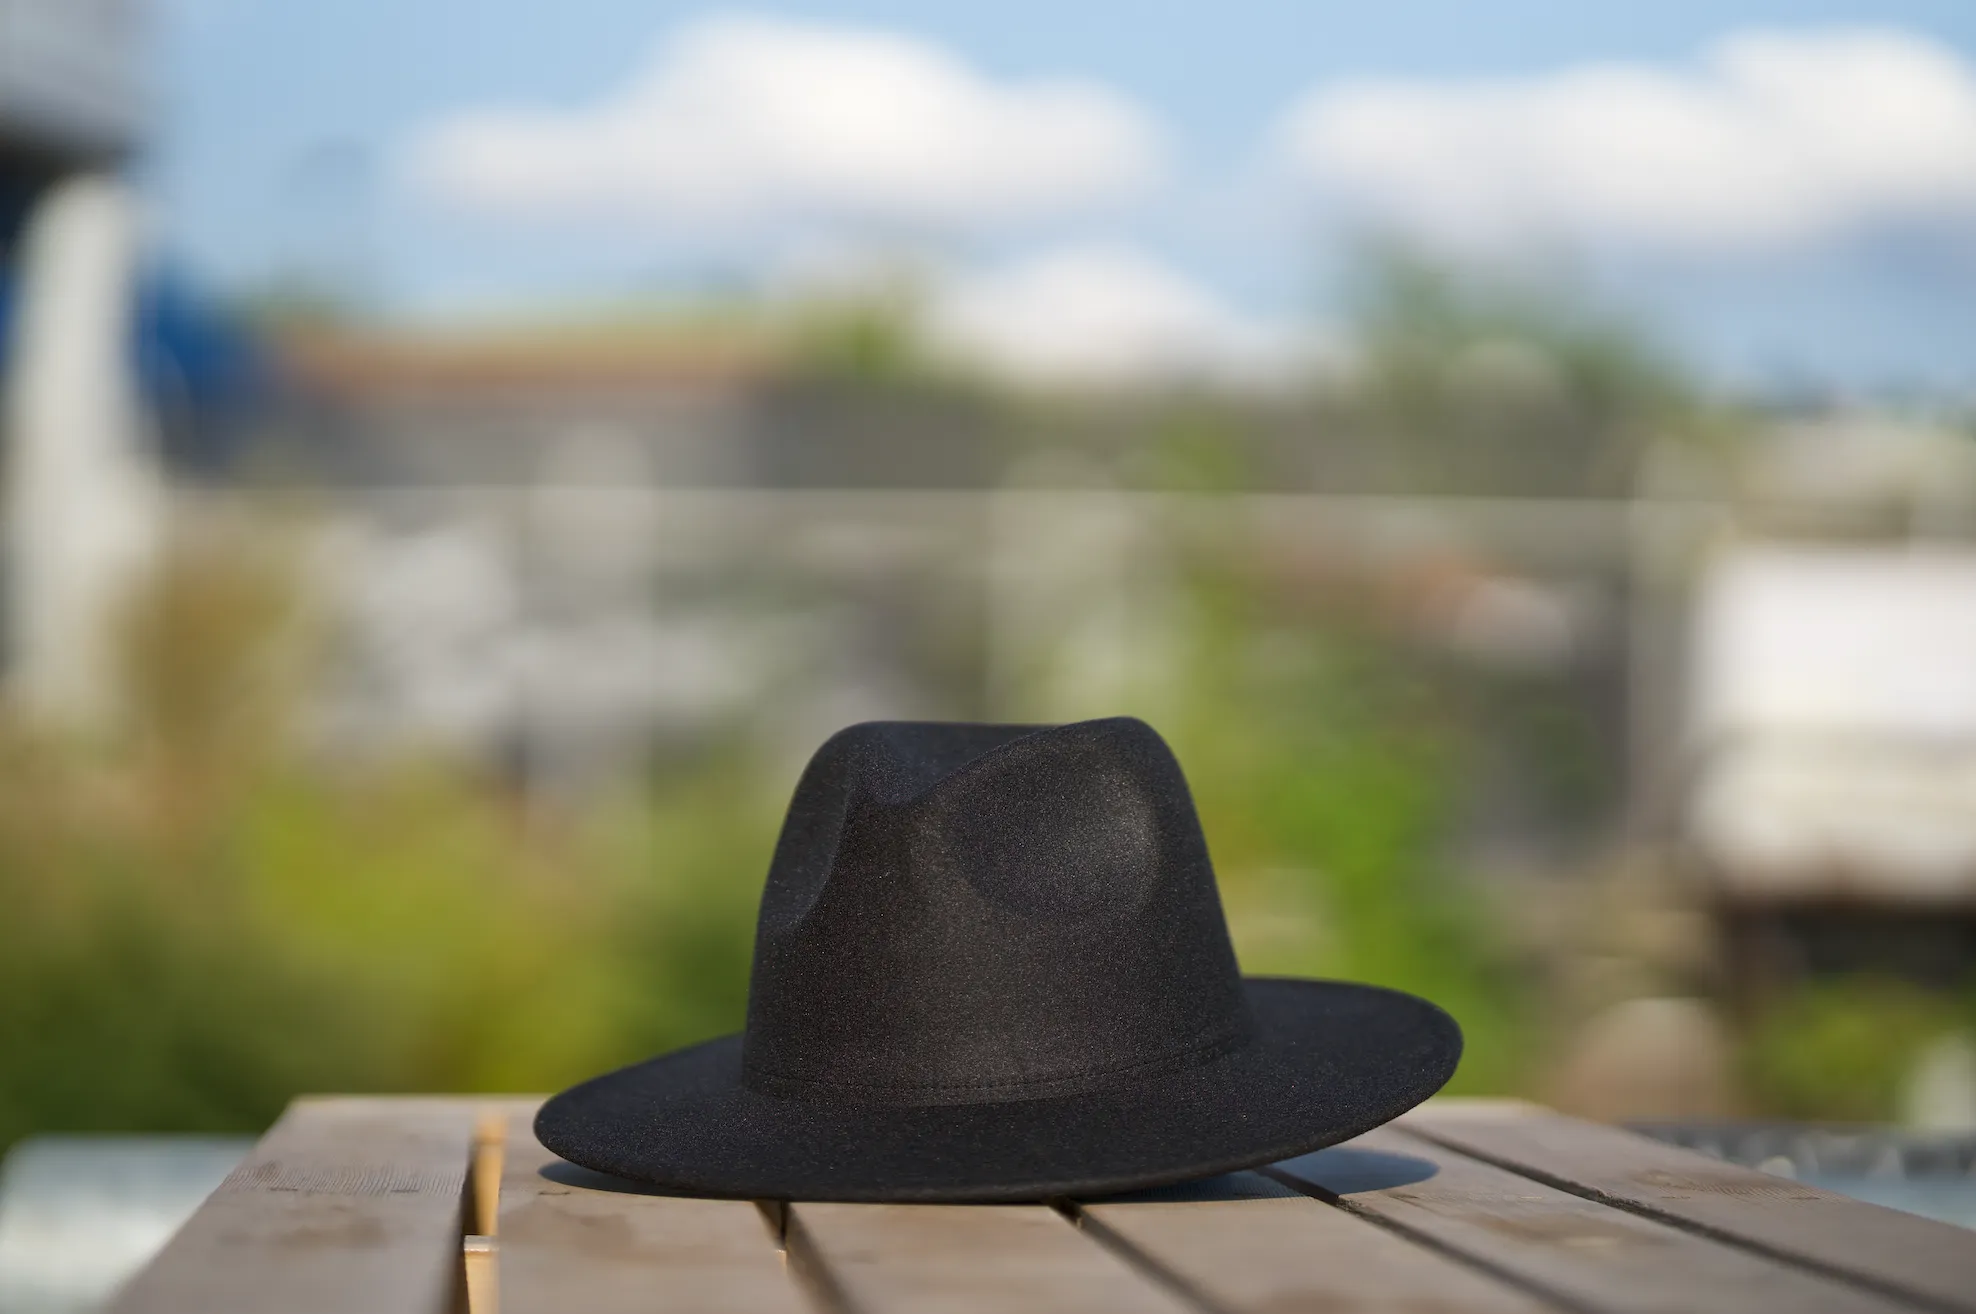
(84, 497)
(80, 1214)
(1833, 716)
(1940, 1091)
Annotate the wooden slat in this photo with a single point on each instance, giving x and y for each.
(563, 1245)
(482, 1295)
(1249, 1243)
(1581, 1253)
(347, 1206)
(963, 1259)
(1930, 1262)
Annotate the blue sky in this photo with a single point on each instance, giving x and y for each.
(285, 132)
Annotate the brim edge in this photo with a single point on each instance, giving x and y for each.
(1035, 1191)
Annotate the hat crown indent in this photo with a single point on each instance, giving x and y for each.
(975, 913)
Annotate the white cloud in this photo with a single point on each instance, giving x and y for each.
(758, 122)
(1100, 315)
(1768, 139)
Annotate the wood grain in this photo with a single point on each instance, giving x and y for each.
(572, 1240)
(1577, 1252)
(347, 1206)
(964, 1259)
(354, 1205)
(1246, 1243)
(1930, 1263)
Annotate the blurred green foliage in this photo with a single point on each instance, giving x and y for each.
(192, 966)
(200, 924)
(1472, 376)
(1837, 1050)
(203, 922)
(1326, 760)
(198, 921)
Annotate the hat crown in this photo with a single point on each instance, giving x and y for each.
(976, 913)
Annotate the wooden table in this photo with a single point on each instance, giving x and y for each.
(383, 1206)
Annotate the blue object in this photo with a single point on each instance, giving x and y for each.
(200, 372)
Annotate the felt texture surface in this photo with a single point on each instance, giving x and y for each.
(991, 964)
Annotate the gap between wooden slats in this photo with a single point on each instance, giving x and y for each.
(1246, 1242)
(1581, 1254)
(964, 1259)
(1927, 1263)
(568, 1239)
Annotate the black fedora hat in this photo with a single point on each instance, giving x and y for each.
(992, 965)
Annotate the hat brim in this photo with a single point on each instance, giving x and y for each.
(1328, 1061)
